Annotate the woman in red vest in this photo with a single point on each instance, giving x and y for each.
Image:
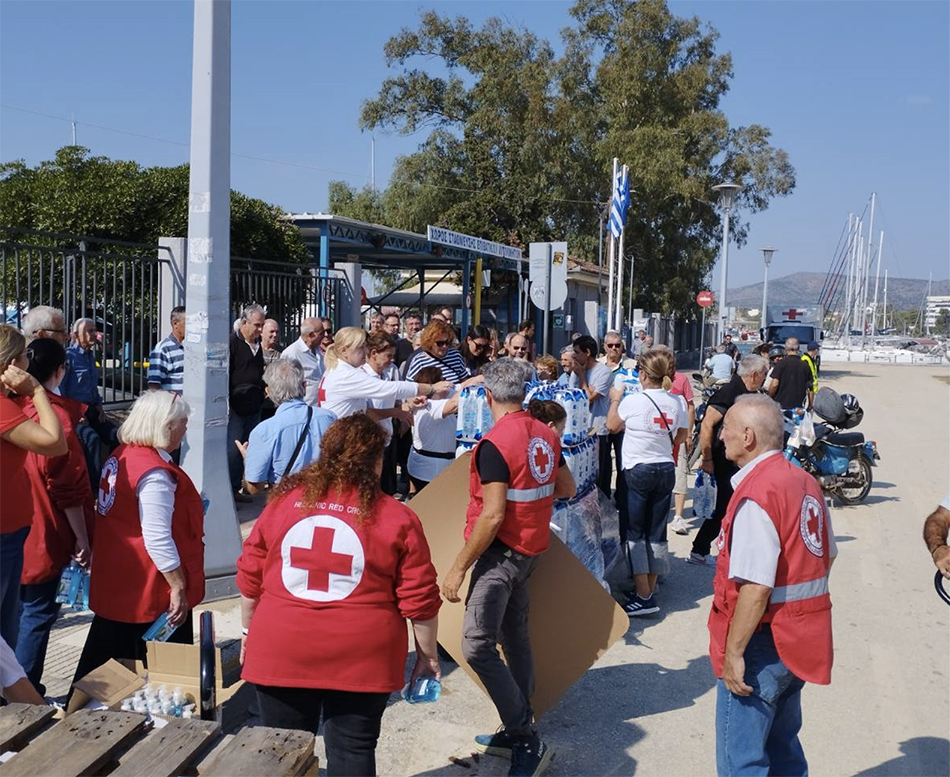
(328, 577)
(18, 437)
(62, 513)
(149, 527)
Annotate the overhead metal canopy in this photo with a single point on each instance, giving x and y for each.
(341, 239)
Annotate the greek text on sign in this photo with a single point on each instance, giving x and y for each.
(456, 239)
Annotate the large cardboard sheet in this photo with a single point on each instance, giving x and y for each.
(573, 620)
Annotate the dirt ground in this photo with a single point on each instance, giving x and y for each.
(648, 705)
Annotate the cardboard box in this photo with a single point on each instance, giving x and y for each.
(169, 664)
(105, 687)
(572, 621)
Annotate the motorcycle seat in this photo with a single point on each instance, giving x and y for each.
(845, 439)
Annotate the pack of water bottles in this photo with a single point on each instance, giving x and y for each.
(73, 588)
(582, 461)
(704, 495)
(575, 404)
(474, 418)
(590, 528)
(628, 380)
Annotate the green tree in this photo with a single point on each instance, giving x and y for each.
(942, 324)
(94, 196)
(521, 141)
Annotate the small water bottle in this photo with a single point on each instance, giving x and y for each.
(424, 689)
(63, 593)
(159, 631)
(487, 420)
(81, 602)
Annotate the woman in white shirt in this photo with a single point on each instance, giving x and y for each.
(433, 435)
(346, 389)
(654, 424)
(380, 352)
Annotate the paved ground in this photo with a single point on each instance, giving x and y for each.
(647, 706)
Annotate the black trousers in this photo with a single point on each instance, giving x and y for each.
(351, 723)
(723, 473)
(603, 462)
(114, 639)
(620, 495)
(387, 481)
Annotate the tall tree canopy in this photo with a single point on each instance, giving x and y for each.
(94, 196)
(521, 141)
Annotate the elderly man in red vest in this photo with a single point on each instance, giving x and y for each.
(517, 472)
(770, 624)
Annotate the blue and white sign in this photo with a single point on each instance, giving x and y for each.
(447, 237)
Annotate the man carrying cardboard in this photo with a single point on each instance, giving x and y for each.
(770, 623)
(516, 473)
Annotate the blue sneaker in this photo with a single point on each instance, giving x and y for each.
(529, 757)
(500, 743)
(637, 606)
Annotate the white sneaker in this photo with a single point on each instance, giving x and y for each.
(678, 525)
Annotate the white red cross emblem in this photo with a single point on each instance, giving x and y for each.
(541, 459)
(323, 559)
(106, 496)
(812, 524)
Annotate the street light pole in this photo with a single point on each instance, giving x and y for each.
(727, 197)
(767, 256)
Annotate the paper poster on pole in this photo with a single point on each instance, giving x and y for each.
(572, 619)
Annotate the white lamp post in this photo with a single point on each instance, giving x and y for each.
(767, 256)
(727, 197)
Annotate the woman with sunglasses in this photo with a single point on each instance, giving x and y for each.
(346, 389)
(436, 350)
(476, 349)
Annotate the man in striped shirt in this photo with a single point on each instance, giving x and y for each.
(166, 363)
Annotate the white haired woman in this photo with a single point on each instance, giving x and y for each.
(149, 536)
(346, 389)
(19, 436)
(290, 440)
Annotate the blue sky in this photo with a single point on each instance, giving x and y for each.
(856, 92)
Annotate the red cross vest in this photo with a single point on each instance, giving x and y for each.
(125, 584)
(799, 610)
(532, 452)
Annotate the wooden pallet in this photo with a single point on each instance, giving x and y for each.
(125, 744)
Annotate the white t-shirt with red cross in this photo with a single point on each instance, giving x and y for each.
(645, 438)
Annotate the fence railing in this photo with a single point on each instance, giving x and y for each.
(121, 286)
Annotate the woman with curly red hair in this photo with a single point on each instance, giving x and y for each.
(328, 577)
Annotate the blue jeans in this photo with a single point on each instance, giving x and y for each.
(11, 567)
(38, 613)
(239, 428)
(758, 734)
(649, 493)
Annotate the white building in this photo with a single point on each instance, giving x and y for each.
(935, 304)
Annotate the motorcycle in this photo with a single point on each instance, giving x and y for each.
(841, 461)
(700, 412)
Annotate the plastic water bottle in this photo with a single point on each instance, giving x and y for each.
(487, 421)
(159, 631)
(424, 689)
(469, 414)
(704, 498)
(81, 602)
(69, 583)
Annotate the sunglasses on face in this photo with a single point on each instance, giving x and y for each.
(613, 345)
(518, 348)
(441, 343)
(476, 344)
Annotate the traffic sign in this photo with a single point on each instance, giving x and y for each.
(704, 299)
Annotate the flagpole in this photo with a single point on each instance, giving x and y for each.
(618, 323)
(611, 250)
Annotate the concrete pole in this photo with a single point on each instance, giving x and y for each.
(208, 323)
(547, 298)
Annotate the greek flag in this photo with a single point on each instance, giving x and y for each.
(619, 203)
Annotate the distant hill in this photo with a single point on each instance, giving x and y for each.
(803, 288)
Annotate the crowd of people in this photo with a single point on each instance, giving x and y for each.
(340, 428)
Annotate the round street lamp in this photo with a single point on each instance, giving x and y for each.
(767, 256)
(727, 198)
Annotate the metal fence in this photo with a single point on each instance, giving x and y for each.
(120, 285)
(117, 284)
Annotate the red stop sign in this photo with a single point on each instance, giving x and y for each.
(704, 299)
